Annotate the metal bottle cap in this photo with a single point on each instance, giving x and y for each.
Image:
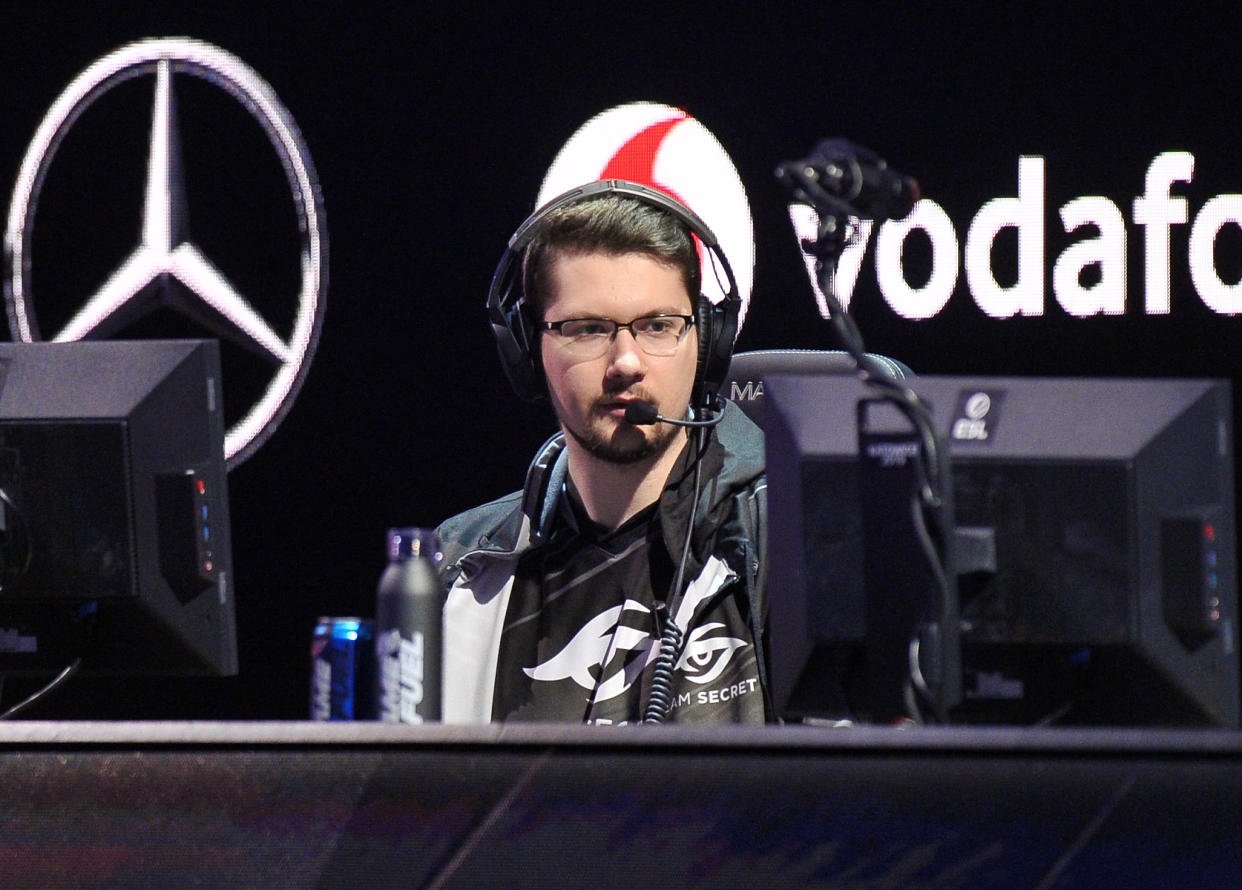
(413, 543)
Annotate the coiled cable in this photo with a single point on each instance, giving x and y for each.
(660, 701)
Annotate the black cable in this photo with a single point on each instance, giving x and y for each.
(56, 681)
(813, 184)
(838, 216)
(86, 614)
(895, 390)
(925, 695)
(929, 493)
(836, 230)
(660, 701)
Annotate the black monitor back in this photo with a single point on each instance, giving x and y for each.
(1106, 506)
(115, 539)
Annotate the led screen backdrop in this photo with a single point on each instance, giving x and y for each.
(335, 186)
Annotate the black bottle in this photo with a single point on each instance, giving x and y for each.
(409, 611)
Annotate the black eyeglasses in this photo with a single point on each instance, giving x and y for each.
(590, 337)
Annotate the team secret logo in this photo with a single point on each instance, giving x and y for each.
(610, 651)
(664, 147)
(164, 253)
(607, 654)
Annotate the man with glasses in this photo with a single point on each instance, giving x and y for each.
(632, 539)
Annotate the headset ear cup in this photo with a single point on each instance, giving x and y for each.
(703, 325)
(707, 324)
(717, 325)
(525, 366)
(514, 330)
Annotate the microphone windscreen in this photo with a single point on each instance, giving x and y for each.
(907, 196)
(641, 413)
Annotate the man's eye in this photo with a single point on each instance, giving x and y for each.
(658, 326)
(586, 328)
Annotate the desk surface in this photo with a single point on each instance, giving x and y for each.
(753, 741)
(296, 804)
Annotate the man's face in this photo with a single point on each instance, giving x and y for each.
(590, 396)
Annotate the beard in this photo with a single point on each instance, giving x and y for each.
(605, 447)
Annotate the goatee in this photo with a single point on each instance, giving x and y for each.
(595, 444)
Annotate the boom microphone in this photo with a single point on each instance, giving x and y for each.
(838, 171)
(645, 414)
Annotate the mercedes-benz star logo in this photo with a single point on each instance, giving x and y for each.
(165, 250)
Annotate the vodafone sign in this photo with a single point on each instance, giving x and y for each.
(664, 147)
(1088, 276)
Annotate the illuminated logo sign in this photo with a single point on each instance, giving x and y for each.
(142, 281)
(664, 147)
(1089, 276)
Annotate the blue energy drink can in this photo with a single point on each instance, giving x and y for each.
(343, 670)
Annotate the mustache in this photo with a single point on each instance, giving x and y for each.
(625, 394)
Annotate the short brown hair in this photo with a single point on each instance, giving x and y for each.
(611, 224)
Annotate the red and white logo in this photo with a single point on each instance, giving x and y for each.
(664, 147)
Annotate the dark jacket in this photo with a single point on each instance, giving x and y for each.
(482, 547)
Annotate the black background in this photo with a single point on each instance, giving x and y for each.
(431, 132)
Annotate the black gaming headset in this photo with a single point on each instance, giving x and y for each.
(513, 323)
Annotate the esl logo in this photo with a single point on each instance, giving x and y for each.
(978, 413)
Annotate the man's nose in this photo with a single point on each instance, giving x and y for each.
(624, 355)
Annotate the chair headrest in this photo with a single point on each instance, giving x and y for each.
(744, 382)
